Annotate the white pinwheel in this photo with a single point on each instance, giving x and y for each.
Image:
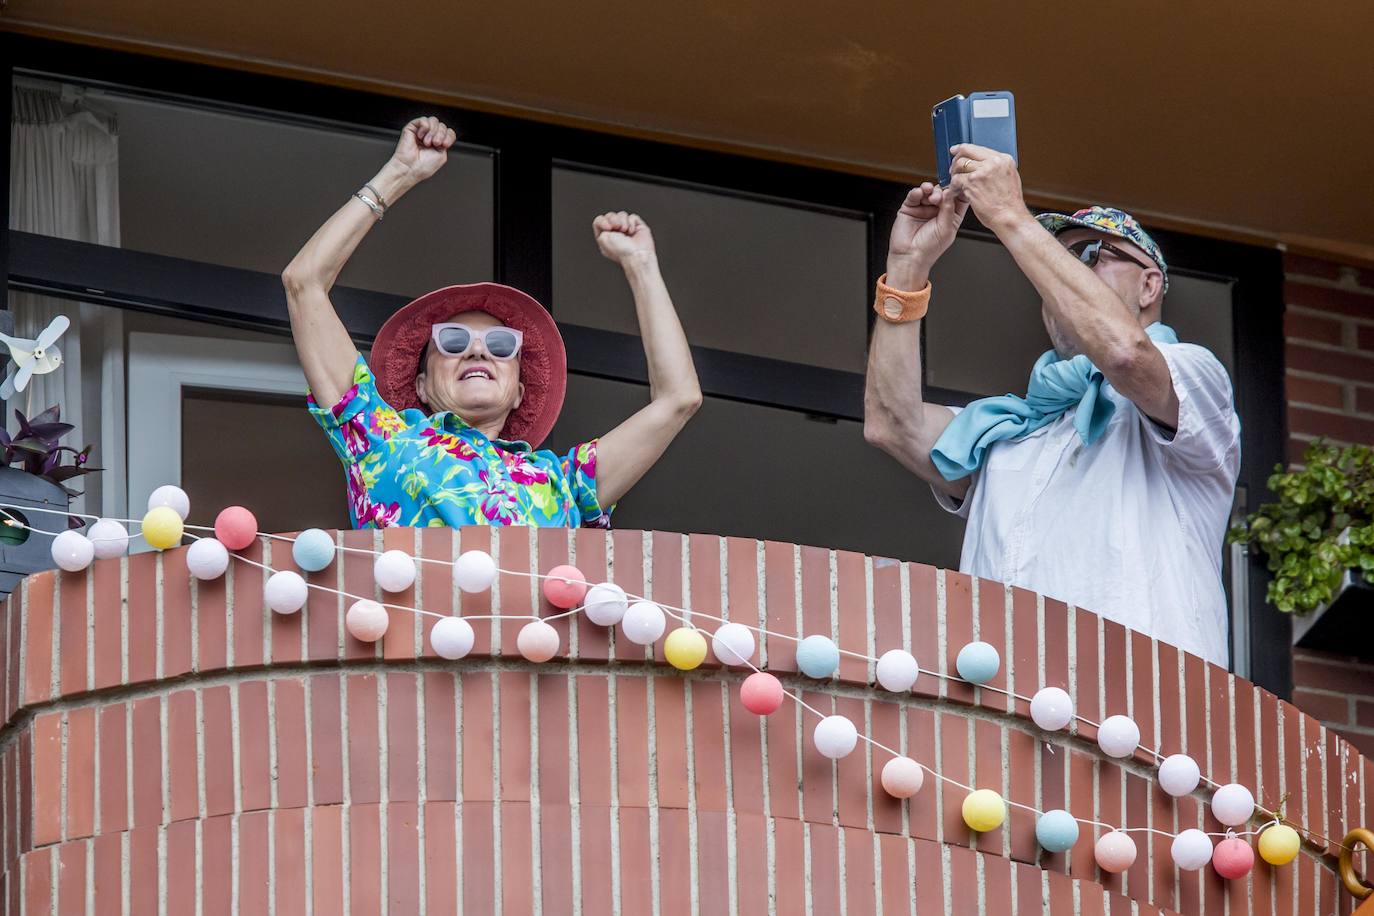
(32, 357)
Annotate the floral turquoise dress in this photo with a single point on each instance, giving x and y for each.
(417, 470)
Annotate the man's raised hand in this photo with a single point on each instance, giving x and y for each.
(622, 236)
(423, 147)
(925, 227)
(989, 181)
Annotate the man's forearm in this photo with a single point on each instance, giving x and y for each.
(897, 418)
(1080, 304)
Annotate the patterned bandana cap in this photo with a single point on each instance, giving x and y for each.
(1113, 222)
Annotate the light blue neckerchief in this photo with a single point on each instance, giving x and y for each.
(1056, 385)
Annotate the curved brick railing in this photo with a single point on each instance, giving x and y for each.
(170, 743)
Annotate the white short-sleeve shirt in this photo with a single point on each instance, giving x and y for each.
(1130, 527)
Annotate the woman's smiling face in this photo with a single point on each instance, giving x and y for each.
(480, 389)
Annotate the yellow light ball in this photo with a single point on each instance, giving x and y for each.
(1278, 845)
(984, 810)
(162, 528)
(685, 648)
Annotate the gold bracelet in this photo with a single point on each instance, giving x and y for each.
(899, 306)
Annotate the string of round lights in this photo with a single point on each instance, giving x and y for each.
(733, 644)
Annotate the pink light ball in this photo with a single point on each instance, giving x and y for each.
(733, 644)
(565, 586)
(902, 777)
(451, 638)
(1179, 775)
(1115, 852)
(835, 737)
(1118, 736)
(538, 641)
(72, 551)
(1233, 858)
(207, 559)
(366, 620)
(1233, 804)
(285, 592)
(236, 528)
(761, 693)
(1051, 708)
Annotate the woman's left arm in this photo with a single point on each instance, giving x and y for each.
(626, 453)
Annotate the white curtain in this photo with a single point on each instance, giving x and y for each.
(64, 182)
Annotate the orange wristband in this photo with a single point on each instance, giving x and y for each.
(899, 306)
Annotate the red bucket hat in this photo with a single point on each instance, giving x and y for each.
(400, 346)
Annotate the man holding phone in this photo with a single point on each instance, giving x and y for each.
(1109, 485)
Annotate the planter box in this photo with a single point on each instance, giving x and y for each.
(20, 555)
(1345, 626)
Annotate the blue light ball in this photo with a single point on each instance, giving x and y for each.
(817, 657)
(1056, 831)
(313, 550)
(978, 662)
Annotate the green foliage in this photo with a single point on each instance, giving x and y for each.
(1304, 534)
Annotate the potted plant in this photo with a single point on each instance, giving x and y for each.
(34, 474)
(1318, 538)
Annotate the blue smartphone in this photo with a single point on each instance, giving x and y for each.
(985, 118)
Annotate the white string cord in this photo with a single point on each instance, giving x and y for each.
(677, 614)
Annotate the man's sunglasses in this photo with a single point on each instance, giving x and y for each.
(1089, 250)
(455, 339)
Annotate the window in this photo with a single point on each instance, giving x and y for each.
(747, 276)
(247, 191)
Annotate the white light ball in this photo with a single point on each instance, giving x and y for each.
(451, 638)
(733, 644)
(207, 558)
(835, 737)
(1191, 849)
(897, 670)
(1233, 804)
(174, 498)
(643, 623)
(474, 571)
(72, 551)
(605, 604)
(394, 571)
(1051, 708)
(1118, 736)
(1179, 775)
(285, 592)
(111, 539)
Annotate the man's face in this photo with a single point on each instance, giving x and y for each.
(1140, 288)
(475, 386)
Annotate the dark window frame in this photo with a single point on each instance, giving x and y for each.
(525, 153)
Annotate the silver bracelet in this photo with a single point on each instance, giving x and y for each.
(372, 204)
(376, 195)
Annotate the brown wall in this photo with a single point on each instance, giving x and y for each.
(184, 745)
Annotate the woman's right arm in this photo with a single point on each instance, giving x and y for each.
(326, 352)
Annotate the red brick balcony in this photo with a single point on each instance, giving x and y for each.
(172, 746)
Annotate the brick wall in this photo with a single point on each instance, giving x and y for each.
(170, 746)
(1329, 330)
